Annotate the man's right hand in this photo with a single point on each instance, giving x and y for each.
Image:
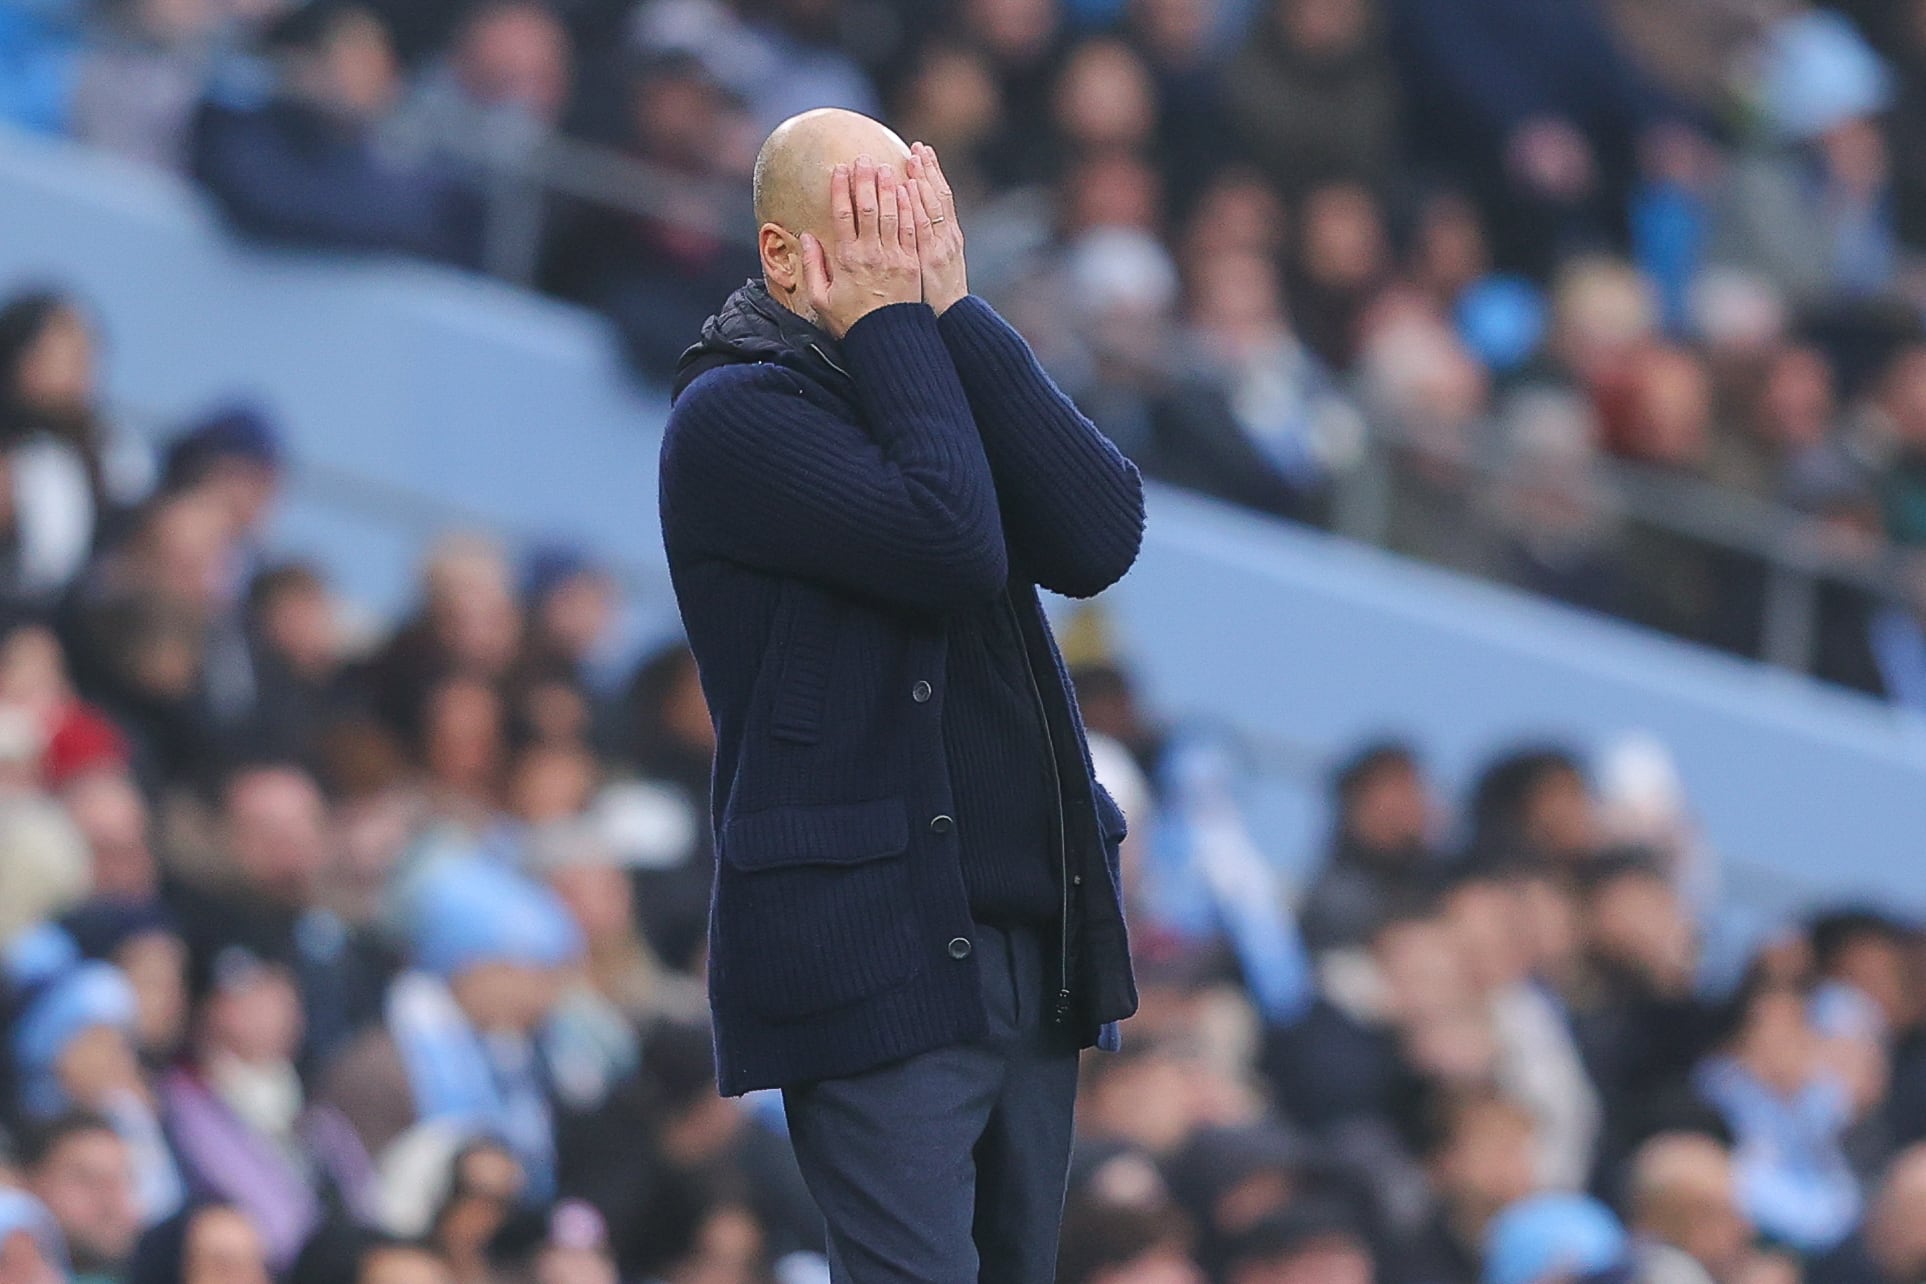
(873, 262)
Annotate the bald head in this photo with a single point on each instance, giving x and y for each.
(794, 165)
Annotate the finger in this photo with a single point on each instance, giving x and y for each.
(908, 234)
(815, 272)
(934, 164)
(864, 190)
(922, 198)
(840, 206)
(933, 205)
(887, 206)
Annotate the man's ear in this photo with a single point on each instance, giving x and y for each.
(781, 258)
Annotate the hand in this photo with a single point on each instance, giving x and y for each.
(873, 263)
(939, 237)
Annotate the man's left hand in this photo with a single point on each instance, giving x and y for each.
(939, 237)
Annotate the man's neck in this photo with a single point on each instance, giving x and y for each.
(792, 301)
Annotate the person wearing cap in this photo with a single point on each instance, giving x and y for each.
(234, 454)
(73, 1048)
(461, 1038)
(31, 1249)
(1555, 1239)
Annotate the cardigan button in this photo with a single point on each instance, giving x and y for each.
(922, 692)
(960, 947)
(942, 825)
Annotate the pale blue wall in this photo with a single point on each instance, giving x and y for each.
(481, 398)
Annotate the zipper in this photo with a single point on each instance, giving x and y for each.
(1061, 1010)
(817, 348)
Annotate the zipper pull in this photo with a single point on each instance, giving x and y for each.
(1063, 1006)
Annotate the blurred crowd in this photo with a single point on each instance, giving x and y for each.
(339, 953)
(1601, 298)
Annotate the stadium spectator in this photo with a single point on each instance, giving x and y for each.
(73, 1031)
(1313, 94)
(1381, 857)
(1301, 1247)
(1539, 111)
(1684, 1210)
(135, 88)
(356, 1255)
(139, 937)
(113, 818)
(505, 80)
(205, 1243)
(289, 689)
(1482, 1155)
(235, 1109)
(1902, 408)
(1181, 43)
(468, 622)
(1279, 393)
(54, 444)
(657, 276)
(1788, 1109)
(460, 1035)
(80, 1169)
(302, 162)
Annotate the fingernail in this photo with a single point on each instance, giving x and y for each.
(862, 158)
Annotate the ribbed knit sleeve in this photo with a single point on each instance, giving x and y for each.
(1073, 505)
(902, 507)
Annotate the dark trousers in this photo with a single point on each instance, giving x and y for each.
(949, 1168)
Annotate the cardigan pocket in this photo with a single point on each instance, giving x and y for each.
(815, 908)
(808, 633)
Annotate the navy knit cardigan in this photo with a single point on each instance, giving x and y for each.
(824, 505)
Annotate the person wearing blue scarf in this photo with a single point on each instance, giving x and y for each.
(462, 1035)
